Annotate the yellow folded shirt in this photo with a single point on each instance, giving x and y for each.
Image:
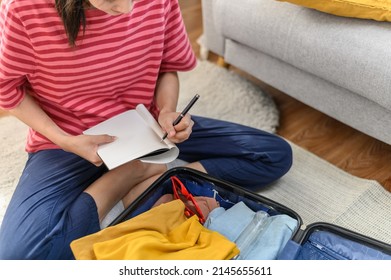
(163, 232)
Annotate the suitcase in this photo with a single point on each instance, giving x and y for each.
(318, 241)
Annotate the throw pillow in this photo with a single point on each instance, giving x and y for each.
(379, 10)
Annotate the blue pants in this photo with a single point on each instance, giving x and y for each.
(49, 208)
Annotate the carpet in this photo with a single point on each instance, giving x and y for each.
(315, 189)
(225, 95)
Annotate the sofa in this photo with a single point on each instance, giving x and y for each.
(338, 65)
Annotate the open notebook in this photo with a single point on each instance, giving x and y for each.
(138, 137)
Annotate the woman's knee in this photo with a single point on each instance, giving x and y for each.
(283, 162)
(272, 163)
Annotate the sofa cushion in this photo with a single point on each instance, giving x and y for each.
(350, 53)
(366, 9)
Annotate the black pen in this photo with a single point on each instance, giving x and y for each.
(184, 112)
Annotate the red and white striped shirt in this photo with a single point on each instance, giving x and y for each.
(113, 67)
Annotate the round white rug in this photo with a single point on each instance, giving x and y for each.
(224, 95)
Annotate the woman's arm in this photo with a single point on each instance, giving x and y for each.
(167, 92)
(29, 112)
(166, 97)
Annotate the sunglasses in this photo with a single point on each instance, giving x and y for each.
(191, 206)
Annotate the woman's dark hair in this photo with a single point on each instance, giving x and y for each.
(72, 15)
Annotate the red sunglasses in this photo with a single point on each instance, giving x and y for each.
(191, 205)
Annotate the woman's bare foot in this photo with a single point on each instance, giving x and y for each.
(137, 190)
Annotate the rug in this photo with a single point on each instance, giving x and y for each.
(315, 189)
(320, 192)
(226, 95)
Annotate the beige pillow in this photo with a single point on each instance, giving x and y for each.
(379, 10)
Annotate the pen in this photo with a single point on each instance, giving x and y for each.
(183, 113)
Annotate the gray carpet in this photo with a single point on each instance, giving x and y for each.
(315, 189)
(320, 192)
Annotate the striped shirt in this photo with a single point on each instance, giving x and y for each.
(113, 67)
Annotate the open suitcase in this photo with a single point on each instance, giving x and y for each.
(318, 241)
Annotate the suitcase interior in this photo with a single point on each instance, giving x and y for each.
(311, 243)
(325, 241)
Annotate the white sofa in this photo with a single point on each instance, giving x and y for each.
(340, 66)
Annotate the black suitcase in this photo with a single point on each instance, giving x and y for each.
(318, 241)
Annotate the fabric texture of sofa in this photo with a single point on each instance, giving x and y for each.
(340, 66)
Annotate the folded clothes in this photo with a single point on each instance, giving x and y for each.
(230, 222)
(269, 243)
(257, 235)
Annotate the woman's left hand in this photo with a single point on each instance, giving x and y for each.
(181, 131)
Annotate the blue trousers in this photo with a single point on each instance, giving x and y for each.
(49, 207)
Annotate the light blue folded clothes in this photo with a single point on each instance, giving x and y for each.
(257, 235)
(231, 222)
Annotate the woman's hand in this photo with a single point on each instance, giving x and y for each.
(166, 98)
(86, 146)
(181, 131)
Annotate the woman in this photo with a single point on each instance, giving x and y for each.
(67, 65)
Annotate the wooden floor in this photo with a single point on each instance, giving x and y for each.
(333, 141)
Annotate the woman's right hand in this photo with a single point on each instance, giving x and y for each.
(86, 146)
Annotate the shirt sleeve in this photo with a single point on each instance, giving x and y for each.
(178, 54)
(16, 56)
